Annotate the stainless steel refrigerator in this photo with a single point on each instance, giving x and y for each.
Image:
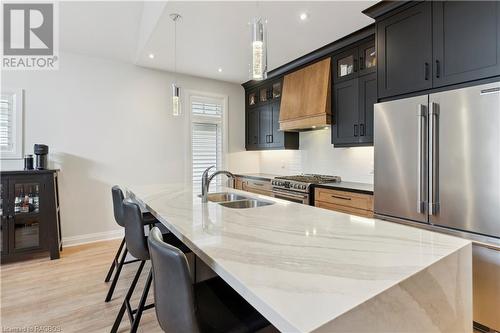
(437, 165)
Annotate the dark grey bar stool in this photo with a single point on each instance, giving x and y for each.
(136, 243)
(121, 254)
(209, 306)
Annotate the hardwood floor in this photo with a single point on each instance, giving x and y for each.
(67, 295)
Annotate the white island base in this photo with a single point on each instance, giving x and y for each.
(435, 300)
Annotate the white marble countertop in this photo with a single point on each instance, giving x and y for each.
(300, 266)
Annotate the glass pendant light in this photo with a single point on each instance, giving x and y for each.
(259, 50)
(176, 90)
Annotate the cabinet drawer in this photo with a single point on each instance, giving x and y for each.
(346, 199)
(344, 209)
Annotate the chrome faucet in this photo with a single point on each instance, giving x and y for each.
(205, 181)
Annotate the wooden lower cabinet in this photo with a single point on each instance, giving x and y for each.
(253, 186)
(344, 201)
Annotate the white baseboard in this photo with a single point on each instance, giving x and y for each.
(91, 238)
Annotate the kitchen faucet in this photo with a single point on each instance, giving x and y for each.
(205, 181)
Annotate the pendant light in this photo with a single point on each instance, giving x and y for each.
(259, 49)
(176, 90)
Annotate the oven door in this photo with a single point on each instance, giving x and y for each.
(292, 196)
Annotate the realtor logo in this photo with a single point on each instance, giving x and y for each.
(29, 31)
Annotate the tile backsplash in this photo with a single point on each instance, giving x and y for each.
(317, 155)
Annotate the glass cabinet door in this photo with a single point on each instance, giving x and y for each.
(346, 65)
(26, 234)
(26, 230)
(367, 58)
(27, 198)
(4, 233)
(263, 96)
(252, 99)
(277, 90)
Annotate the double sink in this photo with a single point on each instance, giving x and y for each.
(233, 200)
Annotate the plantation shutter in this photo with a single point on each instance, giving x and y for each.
(6, 122)
(206, 138)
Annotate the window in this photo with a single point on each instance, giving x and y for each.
(11, 125)
(207, 133)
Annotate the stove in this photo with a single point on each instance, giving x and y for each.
(296, 188)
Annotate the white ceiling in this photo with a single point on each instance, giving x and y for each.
(107, 29)
(211, 35)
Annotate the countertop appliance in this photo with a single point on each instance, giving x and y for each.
(437, 165)
(297, 188)
(41, 152)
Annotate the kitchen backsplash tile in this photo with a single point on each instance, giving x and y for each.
(317, 155)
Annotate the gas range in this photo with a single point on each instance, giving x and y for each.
(301, 183)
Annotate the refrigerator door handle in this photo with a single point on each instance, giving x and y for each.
(434, 158)
(421, 158)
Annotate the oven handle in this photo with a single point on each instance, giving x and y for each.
(290, 195)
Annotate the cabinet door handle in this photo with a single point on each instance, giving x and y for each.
(426, 71)
(361, 63)
(355, 130)
(342, 198)
(355, 65)
(271, 138)
(438, 69)
(362, 130)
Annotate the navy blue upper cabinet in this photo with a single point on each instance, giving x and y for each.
(435, 44)
(404, 51)
(466, 41)
(354, 93)
(262, 119)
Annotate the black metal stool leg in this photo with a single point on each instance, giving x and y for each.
(117, 275)
(115, 261)
(126, 301)
(142, 302)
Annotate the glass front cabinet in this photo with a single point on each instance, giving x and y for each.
(30, 215)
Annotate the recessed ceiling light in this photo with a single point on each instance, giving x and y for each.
(303, 16)
(151, 56)
(219, 70)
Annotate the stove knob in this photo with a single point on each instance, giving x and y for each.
(304, 187)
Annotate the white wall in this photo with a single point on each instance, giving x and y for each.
(110, 123)
(317, 155)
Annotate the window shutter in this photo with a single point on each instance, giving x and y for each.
(6, 122)
(206, 137)
(11, 124)
(206, 148)
(207, 109)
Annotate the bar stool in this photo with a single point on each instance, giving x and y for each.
(136, 243)
(208, 306)
(121, 254)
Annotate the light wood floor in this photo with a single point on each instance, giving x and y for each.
(68, 294)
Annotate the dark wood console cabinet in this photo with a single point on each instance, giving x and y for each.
(30, 217)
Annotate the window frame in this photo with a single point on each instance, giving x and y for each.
(18, 147)
(192, 95)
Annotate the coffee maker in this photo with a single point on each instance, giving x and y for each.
(41, 152)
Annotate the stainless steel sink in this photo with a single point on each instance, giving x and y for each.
(249, 203)
(225, 197)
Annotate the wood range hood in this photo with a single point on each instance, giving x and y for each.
(305, 101)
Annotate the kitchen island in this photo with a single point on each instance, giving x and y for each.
(308, 269)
